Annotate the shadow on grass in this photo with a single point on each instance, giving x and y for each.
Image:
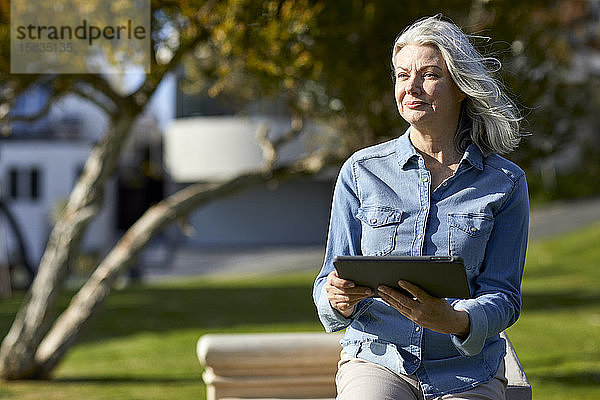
(158, 309)
(588, 378)
(559, 300)
(123, 380)
(216, 308)
(162, 309)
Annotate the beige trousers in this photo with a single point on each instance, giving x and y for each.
(358, 379)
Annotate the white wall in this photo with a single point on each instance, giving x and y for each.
(219, 148)
(214, 149)
(59, 163)
(293, 213)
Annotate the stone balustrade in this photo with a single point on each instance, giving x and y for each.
(294, 366)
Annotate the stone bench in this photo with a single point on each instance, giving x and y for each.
(294, 366)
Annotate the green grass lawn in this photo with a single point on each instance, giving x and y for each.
(557, 337)
(142, 346)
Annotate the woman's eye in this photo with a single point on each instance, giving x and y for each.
(402, 75)
(430, 75)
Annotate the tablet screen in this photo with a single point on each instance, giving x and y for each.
(440, 276)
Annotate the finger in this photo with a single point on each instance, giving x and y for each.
(396, 303)
(349, 297)
(395, 292)
(401, 298)
(350, 287)
(341, 305)
(345, 301)
(336, 281)
(414, 290)
(358, 292)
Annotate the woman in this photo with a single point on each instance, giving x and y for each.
(439, 189)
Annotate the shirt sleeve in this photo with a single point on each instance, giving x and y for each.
(343, 239)
(496, 302)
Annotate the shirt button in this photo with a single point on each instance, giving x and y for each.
(374, 220)
(425, 179)
(473, 229)
(418, 328)
(419, 236)
(445, 184)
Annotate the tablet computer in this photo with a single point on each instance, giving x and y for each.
(440, 276)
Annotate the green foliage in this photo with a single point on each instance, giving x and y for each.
(254, 50)
(353, 41)
(331, 61)
(565, 186)
(548, 66)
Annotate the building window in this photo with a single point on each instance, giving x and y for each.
(24, 183)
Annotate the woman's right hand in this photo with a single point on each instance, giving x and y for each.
(343, 294)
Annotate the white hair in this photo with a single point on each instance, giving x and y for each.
(488, 117)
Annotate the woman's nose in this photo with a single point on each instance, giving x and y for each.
(412, 86)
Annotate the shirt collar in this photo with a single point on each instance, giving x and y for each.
(405, 151)
(474, 156)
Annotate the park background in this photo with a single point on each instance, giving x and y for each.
(272, 96)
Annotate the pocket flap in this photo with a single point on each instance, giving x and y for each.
(379, 216)
(472, 224)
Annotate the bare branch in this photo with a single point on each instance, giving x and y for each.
(90, 297)
(101, 86)
(296, 128)
(270, 147)
(15, 93)
(93, 99)
(186, 46)
(34, 117)
(12, 88)
(61, 87)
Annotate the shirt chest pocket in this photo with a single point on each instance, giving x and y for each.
(379, 229)
(468, 235)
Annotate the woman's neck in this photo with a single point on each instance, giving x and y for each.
(439, 147)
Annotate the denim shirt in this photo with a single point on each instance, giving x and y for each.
(383, 204)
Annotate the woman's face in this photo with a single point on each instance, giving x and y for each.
(425, 93)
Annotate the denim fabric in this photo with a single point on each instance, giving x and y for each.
(383, 204)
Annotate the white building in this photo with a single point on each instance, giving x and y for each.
(216, 148)
(37, 177)
(40, 163)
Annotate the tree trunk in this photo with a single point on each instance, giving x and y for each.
(17, 352)
(90, 297)
(21, 245)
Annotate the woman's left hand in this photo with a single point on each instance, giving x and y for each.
(425, 310)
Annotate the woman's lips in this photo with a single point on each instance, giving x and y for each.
(415, 104)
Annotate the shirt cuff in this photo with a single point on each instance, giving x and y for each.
(475, 341)
(331, 319)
